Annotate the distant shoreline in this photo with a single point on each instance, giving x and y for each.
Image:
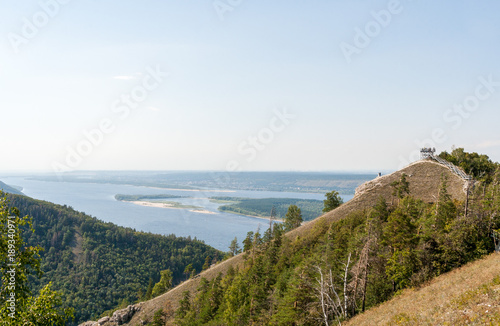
(198, 190)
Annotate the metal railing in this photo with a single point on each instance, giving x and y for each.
(455, 169)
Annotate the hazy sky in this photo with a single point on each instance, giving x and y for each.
(239, 84)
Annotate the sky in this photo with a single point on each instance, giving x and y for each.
(245, 85)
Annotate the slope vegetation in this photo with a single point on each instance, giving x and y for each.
(98, 266)
(469, 295)
(425, 179)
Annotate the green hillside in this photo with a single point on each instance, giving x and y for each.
(11, 190)
(98, 266)
(399, 232)
(339, 269)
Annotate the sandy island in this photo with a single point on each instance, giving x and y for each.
(199, 190)
(194, 210)
(171, 206)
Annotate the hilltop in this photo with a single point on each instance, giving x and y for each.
(425, 181)
(424, 178)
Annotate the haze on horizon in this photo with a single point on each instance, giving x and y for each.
(250, 85)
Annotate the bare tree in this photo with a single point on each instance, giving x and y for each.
(359, 274)
(332, 306)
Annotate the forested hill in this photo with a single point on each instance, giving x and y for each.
(11, 190)
(399, 231)
(98, 266)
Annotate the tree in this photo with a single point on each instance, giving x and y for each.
(401, 188)
(445, 208)
(149, 291)
(184, 305)
(164, 284)
(44, 310)
(332, 201)
(159, 318)
(272, 217)
(293, 218)
(333, 305)
(474, 164)
(234, 247)
(247, 243)
(206, 265)
(188, 271)
(401, 238)
(17, 261)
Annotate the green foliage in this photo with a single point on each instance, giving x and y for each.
(234, 247)
(401, 188)
(18, 262)
(149, 291)
(332, 201)
(293, 218)
(263, 206)
(45, 310)
(96, 266)
(248, 242)
(478, 166)
(184, 305)
(158, 318)
(164, 284)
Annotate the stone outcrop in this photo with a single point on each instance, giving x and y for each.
(119, 317)
(123, 316)
(89, 323)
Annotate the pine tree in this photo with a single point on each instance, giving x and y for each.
(149, 291)
(446, 210)
(401, 188)
(400, 236)
(293, 218)
(247, 243)
(234, 247)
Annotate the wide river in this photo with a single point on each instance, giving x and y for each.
(216, 229)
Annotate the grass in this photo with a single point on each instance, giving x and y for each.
(466, 296)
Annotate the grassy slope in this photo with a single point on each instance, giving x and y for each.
(469, 295)
(424, 178)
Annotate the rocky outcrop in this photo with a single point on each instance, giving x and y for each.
(119, 317)
(89, 323)
(123, 316)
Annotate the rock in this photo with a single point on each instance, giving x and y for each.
(89, 323)
(124, 315)
(103, 320)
